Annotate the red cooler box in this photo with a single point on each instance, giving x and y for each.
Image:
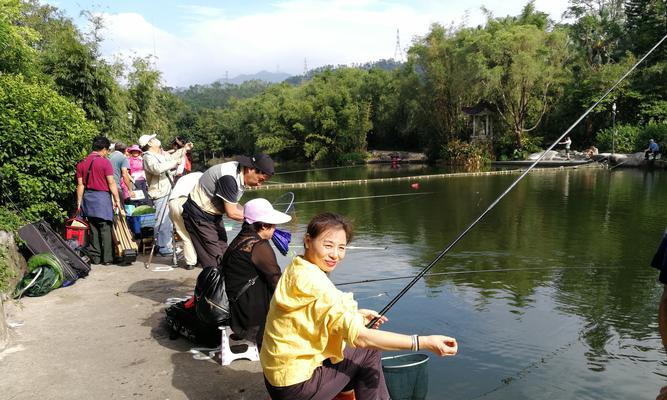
(77, 229)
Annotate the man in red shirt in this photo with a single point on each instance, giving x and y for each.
(97, 197)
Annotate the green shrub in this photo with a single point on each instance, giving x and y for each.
(654, 130)
(625, 139)
(351, 159)
(470, 155)
(42, 137)
(506, 148)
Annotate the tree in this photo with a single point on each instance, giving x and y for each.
(18, 56)
(646, 25)
(598, 29)
(523, 72)
(147, 112)
(74, 67)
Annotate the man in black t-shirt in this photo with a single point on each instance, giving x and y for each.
(218, 192)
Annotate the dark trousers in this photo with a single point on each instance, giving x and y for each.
(100, 244)
(361, 370)
(209, 238)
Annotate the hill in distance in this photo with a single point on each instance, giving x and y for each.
(266, 76)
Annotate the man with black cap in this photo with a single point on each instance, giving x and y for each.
(218, 192)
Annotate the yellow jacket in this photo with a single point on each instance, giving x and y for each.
(309, 321)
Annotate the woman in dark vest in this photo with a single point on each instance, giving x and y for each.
(251, 269)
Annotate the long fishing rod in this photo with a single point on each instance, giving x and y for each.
(503, 194)
(393, 278)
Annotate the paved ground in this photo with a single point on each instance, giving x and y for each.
(105, 338)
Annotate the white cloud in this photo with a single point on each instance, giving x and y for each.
(323, 32)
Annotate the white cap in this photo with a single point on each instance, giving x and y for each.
(260, 210)
(144, 139)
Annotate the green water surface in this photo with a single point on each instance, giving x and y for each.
(570, 310)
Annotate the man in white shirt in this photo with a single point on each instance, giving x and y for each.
(218, 192)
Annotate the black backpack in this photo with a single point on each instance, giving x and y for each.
(211, 299)
(183, 321)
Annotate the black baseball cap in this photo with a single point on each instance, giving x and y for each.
(260, 161)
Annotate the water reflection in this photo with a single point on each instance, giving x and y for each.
(572, 311)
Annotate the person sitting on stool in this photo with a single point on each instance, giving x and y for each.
(653, 148)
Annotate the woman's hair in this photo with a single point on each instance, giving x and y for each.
(327, 220)
(261, 225)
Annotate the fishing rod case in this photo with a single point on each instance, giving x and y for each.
(124, 245)
(39, 237)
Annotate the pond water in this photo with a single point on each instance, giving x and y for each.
(550, 296)
(372, 171)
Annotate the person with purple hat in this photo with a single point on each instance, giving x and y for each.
(251, 270)
(218, 192)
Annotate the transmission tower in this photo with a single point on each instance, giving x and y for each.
(398, 52)
(305, 67)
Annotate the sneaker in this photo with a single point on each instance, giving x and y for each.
(167, 253)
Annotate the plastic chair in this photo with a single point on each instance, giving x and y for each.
(226, 353)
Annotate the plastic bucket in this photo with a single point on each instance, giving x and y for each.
(406, 376)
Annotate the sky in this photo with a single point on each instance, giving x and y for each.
(198, 42)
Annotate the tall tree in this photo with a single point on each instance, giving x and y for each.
(523, 71)
(147, 112)
(17, 55)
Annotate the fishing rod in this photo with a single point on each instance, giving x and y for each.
(503, 194)
(393, 278)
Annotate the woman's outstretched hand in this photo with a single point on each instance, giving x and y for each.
(440, 345)
(369, 315)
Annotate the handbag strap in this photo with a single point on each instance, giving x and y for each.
(90, 166)
(245, 287)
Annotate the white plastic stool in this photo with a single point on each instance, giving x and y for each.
(226, 353)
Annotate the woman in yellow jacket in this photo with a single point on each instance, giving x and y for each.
(316, 344)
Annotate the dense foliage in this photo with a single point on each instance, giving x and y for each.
(533, 76)
(43, 136)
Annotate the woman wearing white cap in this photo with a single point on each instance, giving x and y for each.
(251, 269)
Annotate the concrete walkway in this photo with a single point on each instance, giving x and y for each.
(105, 338)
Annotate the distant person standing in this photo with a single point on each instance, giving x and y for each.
(218, 192)
(159, 167)
(138, 177)
(121, 170)
(567, 142)
(653, 148)
(97, 197)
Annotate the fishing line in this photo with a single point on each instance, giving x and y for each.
(543, 360)
(467, 272)
(503, 194)
(315, 169)
(350, 247)
(362, 197)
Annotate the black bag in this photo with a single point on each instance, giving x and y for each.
(182, 320)
(211, 298)
(40, 238)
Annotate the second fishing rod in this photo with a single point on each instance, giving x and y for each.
(504, 193)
